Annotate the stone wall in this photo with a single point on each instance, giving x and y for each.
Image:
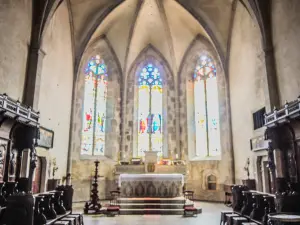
(199, 169)
(56, 86)
(286, 32)
(83, 165)
(247, 79)
(15, 26)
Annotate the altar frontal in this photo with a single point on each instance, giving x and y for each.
(151, 185)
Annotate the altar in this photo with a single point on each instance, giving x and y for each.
(151, 185)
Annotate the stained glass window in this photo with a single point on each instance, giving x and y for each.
(94, 107)
(206, 108)
(150, 135)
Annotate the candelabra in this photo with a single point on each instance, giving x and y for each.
(94, 204)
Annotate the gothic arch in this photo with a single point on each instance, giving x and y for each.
(88, 30)
(201, 45)
(210, 176)
(113, 110)
(149, 55)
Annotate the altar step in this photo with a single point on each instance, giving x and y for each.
(162, 206)
(151, 211)
(178, 200)
(151, 206)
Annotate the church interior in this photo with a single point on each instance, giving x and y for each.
(149, 112)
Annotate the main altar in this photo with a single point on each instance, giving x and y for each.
(151, 178)
(151, 185)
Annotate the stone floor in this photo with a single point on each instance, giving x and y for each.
(210, 216)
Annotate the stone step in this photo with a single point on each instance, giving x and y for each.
(152, 206)
(152, 200)
(153, 211)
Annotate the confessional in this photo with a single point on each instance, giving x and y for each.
(281, 205)
(19, 132)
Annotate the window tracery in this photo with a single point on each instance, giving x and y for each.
(150, 103)
(206, 108)
(94, 107)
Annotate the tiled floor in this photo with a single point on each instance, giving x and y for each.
(210, 216)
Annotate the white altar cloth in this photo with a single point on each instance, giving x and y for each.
(151, 177)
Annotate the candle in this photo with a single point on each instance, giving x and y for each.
(176, 156)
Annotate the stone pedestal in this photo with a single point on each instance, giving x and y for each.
(150, 161)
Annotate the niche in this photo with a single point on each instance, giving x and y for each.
(211, 182)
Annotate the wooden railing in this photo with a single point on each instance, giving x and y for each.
(289, 111)
(14, 109)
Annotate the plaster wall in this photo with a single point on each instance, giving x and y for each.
(56, 86)
(15, 26)
(247, 82)
(286, 32)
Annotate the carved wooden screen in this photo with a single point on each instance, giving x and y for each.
(3, 147)
(37, 178)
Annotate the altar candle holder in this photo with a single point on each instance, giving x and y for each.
(94, 204)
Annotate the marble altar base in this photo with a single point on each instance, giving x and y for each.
(151, 185)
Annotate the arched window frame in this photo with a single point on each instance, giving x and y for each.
(100, 46)
(97, 69)
(130, 130)
(150, 78)
(205, 74)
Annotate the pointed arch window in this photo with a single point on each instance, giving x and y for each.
(94, 107)
(206, 108)
(150, 108)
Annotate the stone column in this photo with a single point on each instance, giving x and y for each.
(33, 78)
(271, 87)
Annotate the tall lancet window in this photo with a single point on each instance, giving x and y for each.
(94, 107)
(206, 108)
(150, 136)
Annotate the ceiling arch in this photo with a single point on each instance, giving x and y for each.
(130, 25)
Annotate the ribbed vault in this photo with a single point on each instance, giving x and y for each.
(168, 25)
